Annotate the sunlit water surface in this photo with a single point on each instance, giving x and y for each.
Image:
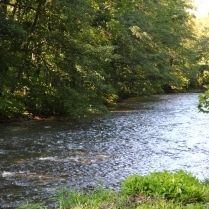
(37, 157)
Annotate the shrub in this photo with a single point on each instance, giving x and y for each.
(179, 186)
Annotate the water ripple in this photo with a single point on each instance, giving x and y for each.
(39, 156)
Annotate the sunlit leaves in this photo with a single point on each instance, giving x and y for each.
(57, 54)
(204, 102)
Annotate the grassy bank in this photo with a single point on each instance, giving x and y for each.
(158, 190)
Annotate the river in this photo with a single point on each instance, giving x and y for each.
(167, 133)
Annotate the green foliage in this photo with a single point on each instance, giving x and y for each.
(204, 102)
(32, 206)
(76, 57)
(11, 108)
(202, 56)
(66, 198)
(158, 190)
(94, 199)
(52, 59)
(179, 186)
(170, 205)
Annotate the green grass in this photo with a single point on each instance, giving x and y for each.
(157, 190)
(179, 186)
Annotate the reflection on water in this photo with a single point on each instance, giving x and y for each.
(166, 134)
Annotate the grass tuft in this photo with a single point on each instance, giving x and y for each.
(157, 190)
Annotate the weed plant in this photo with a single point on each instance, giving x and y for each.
(157, 190)
(179, 186)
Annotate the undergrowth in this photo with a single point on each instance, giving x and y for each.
(157, 190)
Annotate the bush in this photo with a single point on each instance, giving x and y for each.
(179, 186)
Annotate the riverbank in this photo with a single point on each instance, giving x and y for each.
(157, 190)
(120, 105)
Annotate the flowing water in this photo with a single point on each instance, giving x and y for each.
(37, 157)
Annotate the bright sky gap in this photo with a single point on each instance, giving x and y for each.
(202, 8)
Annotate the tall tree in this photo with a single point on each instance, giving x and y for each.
(58, 58)
(202, 56)
(150, 40)
(75, 57)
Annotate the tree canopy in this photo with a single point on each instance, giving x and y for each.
(202, 55)
(76, 57)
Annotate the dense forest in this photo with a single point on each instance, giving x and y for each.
(77, 57)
